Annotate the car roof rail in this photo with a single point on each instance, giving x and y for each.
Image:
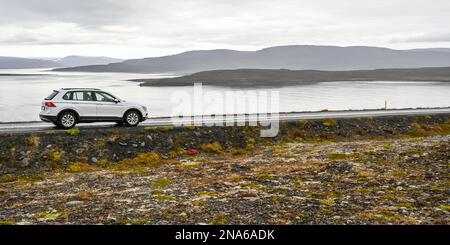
(79, 88)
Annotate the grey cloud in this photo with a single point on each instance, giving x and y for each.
(84, 13)
(436, 37)
(203, 24)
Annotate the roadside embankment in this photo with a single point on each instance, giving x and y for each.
(23, 154)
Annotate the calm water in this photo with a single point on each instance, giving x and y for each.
(20, 96)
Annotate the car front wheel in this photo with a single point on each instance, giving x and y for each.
(132, 118)
(67, 120)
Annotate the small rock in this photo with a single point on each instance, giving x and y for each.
(123, 144)
(74, 203)
(25, 162)
(143, 144)
(251, 199)
(339, 167)
(135, 145)
(94, 159)
(241, 168)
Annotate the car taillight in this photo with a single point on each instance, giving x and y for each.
(50, 104)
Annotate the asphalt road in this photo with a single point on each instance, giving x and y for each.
(25, 127)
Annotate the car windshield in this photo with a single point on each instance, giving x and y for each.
(52, 95)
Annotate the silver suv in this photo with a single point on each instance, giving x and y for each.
(68, 106)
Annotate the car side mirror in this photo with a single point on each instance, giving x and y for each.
(116, 101)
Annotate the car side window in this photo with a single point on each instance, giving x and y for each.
(104, 97)
(68, 96)
(52, 95)
(82, 95)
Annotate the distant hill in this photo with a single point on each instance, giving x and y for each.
(274, 78)
(23, 63)
(74, 60)
(69, 61)
(296, 57)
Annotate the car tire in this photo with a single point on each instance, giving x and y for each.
(132, 118)
(67, 120)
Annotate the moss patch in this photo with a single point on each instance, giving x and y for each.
(162, 198)
(329, 122)
(220, 220)
(157, 192)
(135, 221)
(163, 182)
(327, 202)
(5, 222)
(212, 148)
(81, 167)
(73, 131)
(337, 156)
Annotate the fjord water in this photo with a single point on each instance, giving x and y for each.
(20, 96)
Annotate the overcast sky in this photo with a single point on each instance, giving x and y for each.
(144, 28)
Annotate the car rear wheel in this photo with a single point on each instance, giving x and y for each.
(132, 118)
(67, 120)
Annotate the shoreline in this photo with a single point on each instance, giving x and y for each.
(284, 77)
(19, 74)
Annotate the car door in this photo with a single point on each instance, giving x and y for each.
(107, 107)
(84, 104)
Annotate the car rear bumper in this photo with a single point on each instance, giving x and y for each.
(47, 118)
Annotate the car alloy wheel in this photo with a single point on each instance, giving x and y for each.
(67, 120)
(132, 118)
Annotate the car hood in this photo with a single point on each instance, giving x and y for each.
(130, 103)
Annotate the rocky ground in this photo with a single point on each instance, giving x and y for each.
(402, 180)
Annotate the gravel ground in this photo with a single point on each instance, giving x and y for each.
(392, 181)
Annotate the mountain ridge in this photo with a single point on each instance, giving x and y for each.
(9, 62)
(79, 60)
(294, 57)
